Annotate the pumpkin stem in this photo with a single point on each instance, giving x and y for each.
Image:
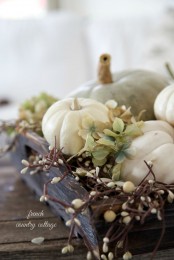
(104, 73)
(75, 104)
(169, 69)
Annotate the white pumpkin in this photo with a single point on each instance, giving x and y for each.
(63, 122)
(156, 145)
(164, 105)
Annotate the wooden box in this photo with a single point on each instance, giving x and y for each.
(142, 238)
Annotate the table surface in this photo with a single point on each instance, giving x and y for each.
(17, 231)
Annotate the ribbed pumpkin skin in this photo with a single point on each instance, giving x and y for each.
(135, 88)
(156, 145)
(63, 122)
(164, 105)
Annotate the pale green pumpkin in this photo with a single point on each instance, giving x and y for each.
(137, 89)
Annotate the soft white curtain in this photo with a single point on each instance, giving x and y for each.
(110, 8)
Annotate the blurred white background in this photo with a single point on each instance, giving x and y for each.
(54, 45)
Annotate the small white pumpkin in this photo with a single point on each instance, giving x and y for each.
(63, 120)
(155, 146)
(164, 105)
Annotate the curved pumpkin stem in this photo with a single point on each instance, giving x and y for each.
(169, 70)
(75, 104)
(104, 73)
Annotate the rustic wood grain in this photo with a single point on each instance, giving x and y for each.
(48, 250)
(14, 195)
(15, 243)
(67, 190)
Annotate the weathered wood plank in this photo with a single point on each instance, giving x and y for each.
(24, 231)
(68, 190)
(12, 239)
(52, 250)
(15, 202)
(48, 250)
(16, 199)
